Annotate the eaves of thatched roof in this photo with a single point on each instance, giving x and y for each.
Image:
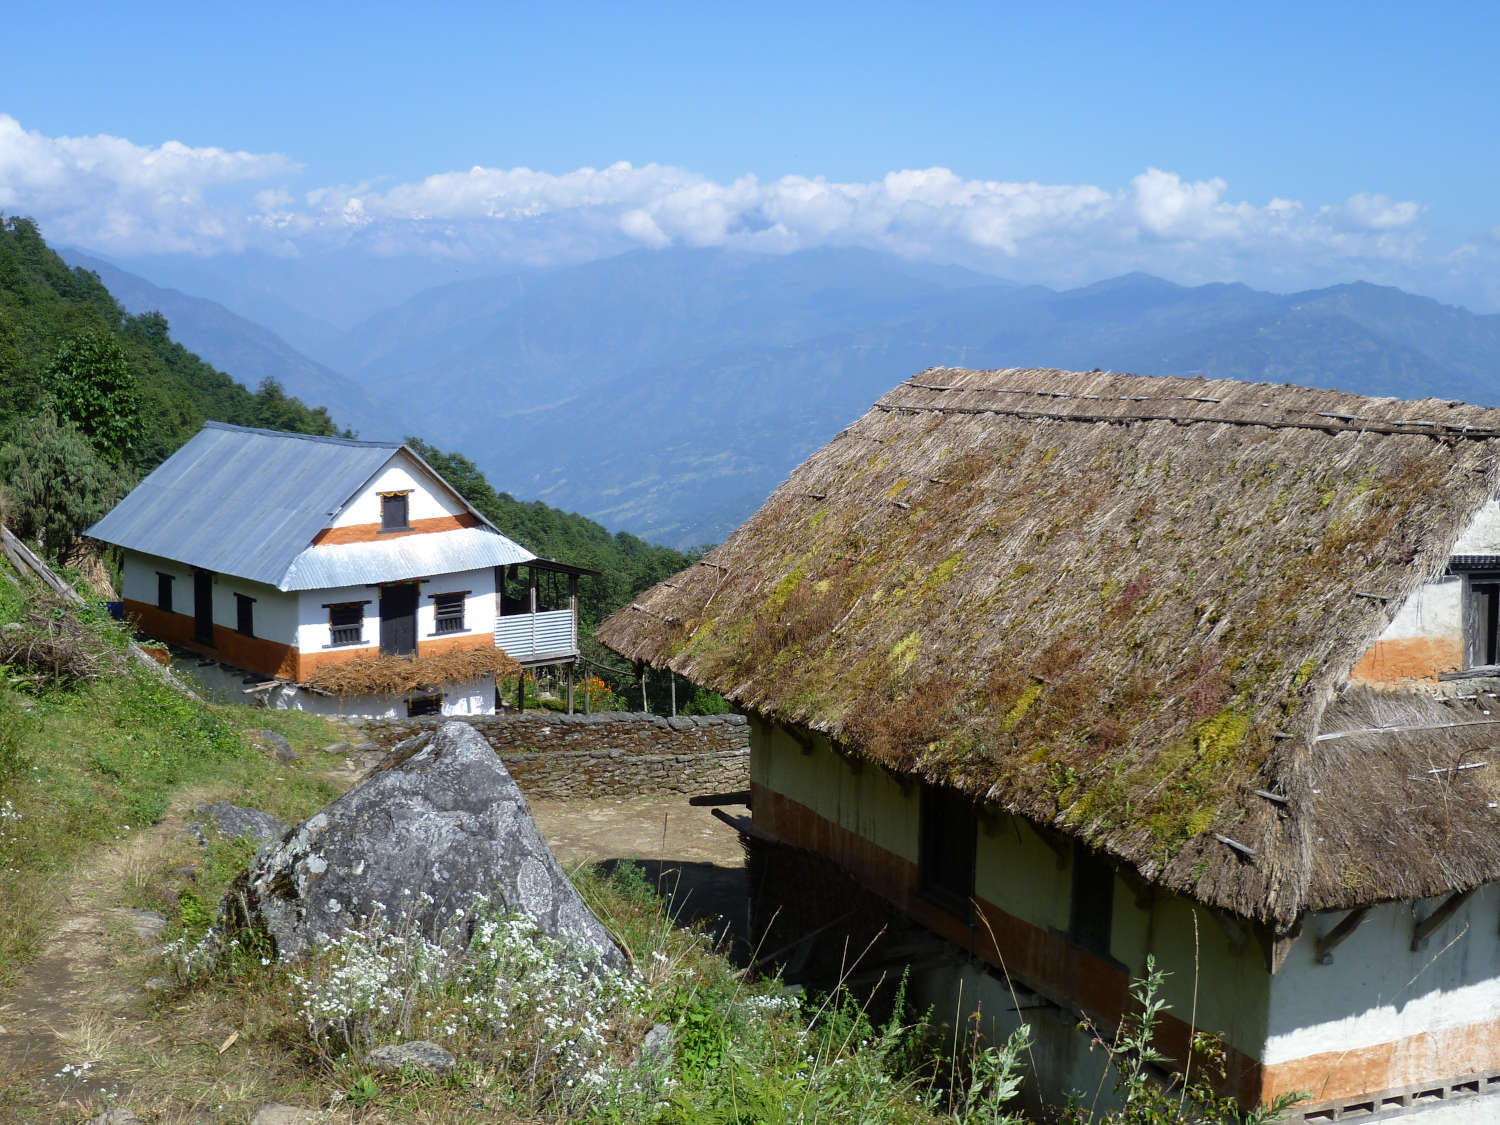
(1115, 605)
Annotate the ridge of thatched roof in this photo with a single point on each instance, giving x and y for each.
(1117, 605)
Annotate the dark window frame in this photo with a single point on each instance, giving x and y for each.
(244, 615)
(947, 851)
(419, 705)
(1091, 902)
(339, 635)
(1481, 618)
(448, 613)
(164, 591)
(389, 510)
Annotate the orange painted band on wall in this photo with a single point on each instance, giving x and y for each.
(254, 654)
(1393, 662)
(370, 532)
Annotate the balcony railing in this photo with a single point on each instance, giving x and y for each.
(535, 637)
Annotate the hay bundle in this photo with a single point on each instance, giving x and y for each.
(393, 675)
(50, 646)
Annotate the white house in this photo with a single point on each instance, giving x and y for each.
(281, 556)
(1066, 670)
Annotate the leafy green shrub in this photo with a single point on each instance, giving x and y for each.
(705, 702)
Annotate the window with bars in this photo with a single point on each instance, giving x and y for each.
(448, 612)
(346, 623)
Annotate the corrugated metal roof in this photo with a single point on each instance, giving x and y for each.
(248, 502)
(407, 556)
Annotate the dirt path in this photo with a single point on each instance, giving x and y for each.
(82, 996)
(692, 857)
(78, 997)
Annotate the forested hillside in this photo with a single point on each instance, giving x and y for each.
(44, 305)
(92, 398)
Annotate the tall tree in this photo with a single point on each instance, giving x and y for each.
(90, 385)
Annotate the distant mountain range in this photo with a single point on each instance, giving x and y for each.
(668, 392)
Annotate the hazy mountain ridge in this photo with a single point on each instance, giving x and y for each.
(247, 350)
(668, 392)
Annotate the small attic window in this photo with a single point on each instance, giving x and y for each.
(394, 511)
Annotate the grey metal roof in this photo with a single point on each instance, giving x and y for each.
(407, 556)
(248, 502)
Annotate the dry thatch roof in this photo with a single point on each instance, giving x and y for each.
(1113, 604)
(393, 675)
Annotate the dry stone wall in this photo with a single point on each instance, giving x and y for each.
(613, 753)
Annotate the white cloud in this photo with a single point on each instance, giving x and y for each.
(116, 196)
(110, 193)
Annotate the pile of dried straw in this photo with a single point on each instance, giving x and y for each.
(391, 675)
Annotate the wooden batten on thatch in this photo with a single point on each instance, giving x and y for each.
(395, 675)
(1117, 605)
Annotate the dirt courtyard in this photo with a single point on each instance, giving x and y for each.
(692, 856)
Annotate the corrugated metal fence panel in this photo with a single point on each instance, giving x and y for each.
(529, 636)
(402, 557)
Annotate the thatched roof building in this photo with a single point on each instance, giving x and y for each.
(1127, 608)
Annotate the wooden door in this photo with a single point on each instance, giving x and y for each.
(398, 618)
(203, 607)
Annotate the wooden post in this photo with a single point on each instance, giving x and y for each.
(672, 676)
(588, 696)
(573, 606)
(570, 689)
(645, 703)
(521, 690)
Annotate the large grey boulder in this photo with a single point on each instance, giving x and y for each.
(436, 828)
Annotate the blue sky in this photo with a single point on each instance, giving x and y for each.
(1281, 144)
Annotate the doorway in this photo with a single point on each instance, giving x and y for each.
(398, 619)
(203, 607)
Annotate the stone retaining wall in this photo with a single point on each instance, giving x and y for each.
(613, 753)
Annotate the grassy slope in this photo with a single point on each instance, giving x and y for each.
(84, 766)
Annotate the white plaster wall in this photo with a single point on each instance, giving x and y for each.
(138, 580)
(860, 797)
(1376, 990)
(275, 615)
(479, 604)
(428, 499)
(1434, 610)
(226, 684)
(470, 697)
(313, 633)
(1482, 536)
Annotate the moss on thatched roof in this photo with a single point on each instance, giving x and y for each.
(1112, 604)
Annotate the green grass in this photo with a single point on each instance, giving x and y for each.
(83, 766)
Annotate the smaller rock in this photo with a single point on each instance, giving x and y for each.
(275, 743)
(336, 748)
(157, 984)
(187, 874)
(278, 1114)
(418, 1055)
(656, 1048)
(233, 822)
(148, 924)
(115, 1117)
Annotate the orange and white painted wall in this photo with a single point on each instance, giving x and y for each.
(1375, 1024)
(1426, 637)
